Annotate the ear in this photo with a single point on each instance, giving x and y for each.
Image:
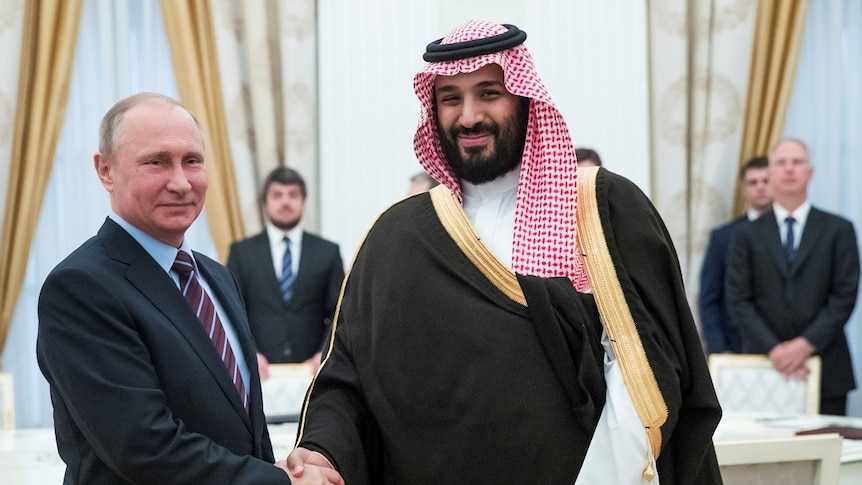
(103, 169)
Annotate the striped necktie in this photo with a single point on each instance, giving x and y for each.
(202, 305)
(287, 275)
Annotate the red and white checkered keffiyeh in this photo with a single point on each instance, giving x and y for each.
(544, 238)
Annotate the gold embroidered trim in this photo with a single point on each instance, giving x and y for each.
(616, 316)
(458, 226)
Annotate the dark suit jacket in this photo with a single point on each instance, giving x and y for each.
(719, 334)
(294, 330)
(140, 394)
(772, 301)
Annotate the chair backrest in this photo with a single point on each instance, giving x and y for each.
(7, 401)
(798, 460)
(284, 391)
(748, 384)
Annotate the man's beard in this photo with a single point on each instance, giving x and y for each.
(506, 152)
(285, 225)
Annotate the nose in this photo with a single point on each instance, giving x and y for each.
(472, 113)
(178, 181)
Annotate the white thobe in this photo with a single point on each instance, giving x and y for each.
(619, 451)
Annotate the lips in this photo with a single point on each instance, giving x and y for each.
(474, 139)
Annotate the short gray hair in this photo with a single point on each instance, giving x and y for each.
(110, 130)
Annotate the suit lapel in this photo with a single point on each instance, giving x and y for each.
(814, 225)
(218, 283)
(261, 256)
(306, 258)
(768, 233)
(158, 287)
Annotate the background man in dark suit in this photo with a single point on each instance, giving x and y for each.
(140, 393)
(791, 283)
(291, 327)
(719, 334)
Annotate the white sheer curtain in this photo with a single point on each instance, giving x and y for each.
(122, 50)
(826, 113)
(11, 26)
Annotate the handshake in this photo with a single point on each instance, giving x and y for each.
(309, 467)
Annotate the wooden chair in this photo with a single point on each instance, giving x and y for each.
(800, 460)
(748, 384)
(284, 391)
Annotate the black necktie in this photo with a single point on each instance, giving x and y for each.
(789, 244)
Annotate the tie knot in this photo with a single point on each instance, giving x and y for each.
(789, 220)
(183, 265)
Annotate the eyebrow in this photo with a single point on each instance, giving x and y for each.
(482, 84)
(168, 154)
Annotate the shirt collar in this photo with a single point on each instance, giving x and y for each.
(163, 254)
(494, 188)
(800, 214)
(276, 235)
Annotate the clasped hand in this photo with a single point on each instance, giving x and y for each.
(309, 467)
(790, 358)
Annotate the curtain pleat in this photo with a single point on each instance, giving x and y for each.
(778, 34)
(699, 62)
(47, 52)
(189, 29)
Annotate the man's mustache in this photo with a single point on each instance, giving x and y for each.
(477, 129)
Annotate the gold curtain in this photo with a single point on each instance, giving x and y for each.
(189, 29)
(47, 52)
(778, 33)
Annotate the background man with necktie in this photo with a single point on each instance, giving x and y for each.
(289, 278)
(718, 333)
(144, 342)
(792, 278)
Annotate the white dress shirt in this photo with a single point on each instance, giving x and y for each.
(278, 247)
(801, 217)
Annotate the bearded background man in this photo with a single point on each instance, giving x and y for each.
(289, 277)
(467, 345)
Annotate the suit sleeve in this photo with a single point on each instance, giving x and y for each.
(739, 291)
(844, 274)
(92, 351)
(711, 297)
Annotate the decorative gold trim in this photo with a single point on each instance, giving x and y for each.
(458, 226)
(616, 316)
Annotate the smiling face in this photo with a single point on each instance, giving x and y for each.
(482, 127)
(156, 175)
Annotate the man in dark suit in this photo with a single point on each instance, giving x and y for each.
(144, 342)
(719, 334)
(792, 279)
(289, 278)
